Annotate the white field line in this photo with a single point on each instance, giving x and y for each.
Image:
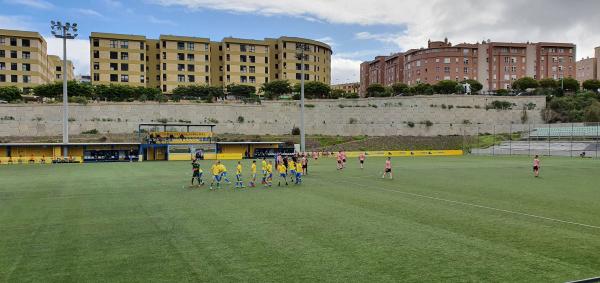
(482, 207)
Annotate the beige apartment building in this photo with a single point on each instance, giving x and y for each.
(347, 87)
(23, 59)
(55, 69)
(172, 61)
(589, 68)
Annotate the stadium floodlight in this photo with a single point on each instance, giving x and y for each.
(300, 49)
(67, 31)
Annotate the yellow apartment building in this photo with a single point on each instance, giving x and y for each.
(171, 61)
(55, 68)
(23, 59)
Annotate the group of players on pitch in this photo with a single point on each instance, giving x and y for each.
(294, 168)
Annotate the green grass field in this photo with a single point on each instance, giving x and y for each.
(440, 219)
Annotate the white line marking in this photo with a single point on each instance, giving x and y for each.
(485, 207)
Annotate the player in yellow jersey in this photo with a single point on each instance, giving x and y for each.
(282, 174)
(223, 171)
(215, 169)
(238, 175)
(292, 168)
(298, 173)
(253, 170)
(264, 171)
(269, 174)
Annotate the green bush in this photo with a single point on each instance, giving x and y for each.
(411, 124)
(295, 131)
(240, 119)
(10, 93)
(90, 132)
(500, 105)
(352, 121)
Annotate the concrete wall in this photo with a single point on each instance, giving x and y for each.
(374, 117)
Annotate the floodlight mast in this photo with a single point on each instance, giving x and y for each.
(66, 31)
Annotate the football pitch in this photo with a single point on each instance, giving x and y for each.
(440, 219)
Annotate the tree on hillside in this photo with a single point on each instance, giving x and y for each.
(593, 85)
(570, 84)
(241, 91)
(375, 90)
(592, 112)
(445, 87)
(313, 89)
(475, 85)
(422, 88)
(10, 93)
(276, 88)
(525, 83)
(548, 83)
(399, 88)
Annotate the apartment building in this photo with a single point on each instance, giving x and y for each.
(495, 64)
(118, 59)
(348, 87)
(23, 59)
(384, 70)
(171, 61)
(589, 68)
(55, 68)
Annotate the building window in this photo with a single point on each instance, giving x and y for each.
(114, 77)
(124, 56)
(242, 47)
(228, 78)
(191, 68)
(191, 78)
(13, 54)
(446, 60)
(114, 43)
(164, 66)
(242, 58)
(2, 41)
(181, 78)
(190, 57)
(13, 41)
(180, 45)
(243, 69)
(114, 55)
(26, 67)
(252, 59)
(124, 67)
(114, 66)
(447, 70)
(13, 66)
(142, 57)
(243, 79)
(142, 79)
(96, 77)
(252, 79)
(298, 76)
(266, 70)
(25, 42)
(125, 44)
(26, 79)
(252, 69)
(26, 55)
(96, 54)
(142, 68)
(96, 42)
(190, 46)
(2, 54)
(124, 78)
(180, 67)
(2, 66)
(228, 57)
(228, 68)
(252, 48)
(206, 68)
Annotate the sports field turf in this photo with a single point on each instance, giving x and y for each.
(440, 219)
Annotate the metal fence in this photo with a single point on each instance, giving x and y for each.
(565, 139)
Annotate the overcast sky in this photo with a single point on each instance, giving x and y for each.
(357, 29)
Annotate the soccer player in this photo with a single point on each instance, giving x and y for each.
(388, 168)
(264, 171)
(238, 175)
(253, 170)
(298, 173)
(343, 153)
(339, 161)
(304, 165)
(536, 166)
(196, 173)
(215, 169)
(361, 159)
(282, 174)
(292, 166)
(269, 174)
(223, 171)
